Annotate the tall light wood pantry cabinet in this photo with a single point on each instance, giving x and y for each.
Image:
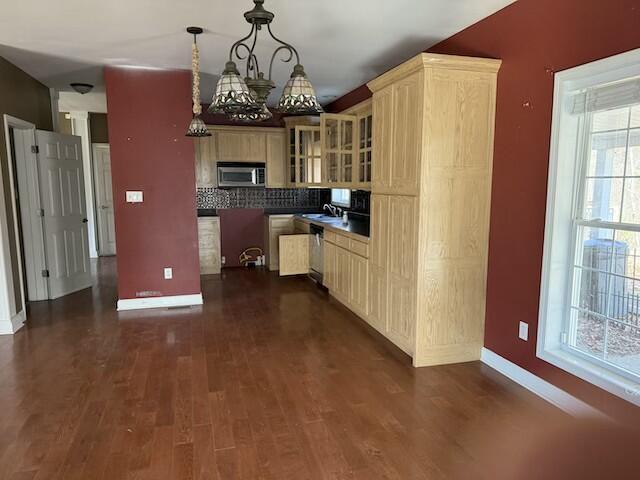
(433, 125)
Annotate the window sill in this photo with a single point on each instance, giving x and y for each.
(607, 380)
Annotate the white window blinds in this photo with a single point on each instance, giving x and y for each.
(606, 97)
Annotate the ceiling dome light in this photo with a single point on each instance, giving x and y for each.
(81, 88)
(232, 94)
(298, 96)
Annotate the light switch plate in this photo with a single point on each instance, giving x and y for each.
(523, 331)
(134, 196)
(168, 273)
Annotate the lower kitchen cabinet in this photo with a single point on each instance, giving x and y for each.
(275, 226)
(343, 275)
(294, 254)
(358, 283)
(209, 245)
(346, 270)
(329, 258)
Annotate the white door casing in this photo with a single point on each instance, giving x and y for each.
(65, 213)
(104, 199)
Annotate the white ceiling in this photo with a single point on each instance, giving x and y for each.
(342, 43)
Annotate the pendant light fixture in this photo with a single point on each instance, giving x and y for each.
(197, 127)
(246, 98)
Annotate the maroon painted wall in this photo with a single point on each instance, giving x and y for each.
(240, 228)
(149, 112)
(534, 39)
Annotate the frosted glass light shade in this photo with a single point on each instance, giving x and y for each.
(298, 95)
(232, 94)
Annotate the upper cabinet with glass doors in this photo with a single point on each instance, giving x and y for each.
(347, 147)
(337, 153)
(338, 149)
(304, 152)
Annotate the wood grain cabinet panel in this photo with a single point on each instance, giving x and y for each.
(382, 139)
(329, 259)
(275, 160)
(343, 275)
(358, 284)
(276, 225)
(206, 155)
(209, 245)
(433, 122)
(294, 254)
(241, 146)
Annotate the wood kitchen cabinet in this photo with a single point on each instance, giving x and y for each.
(275, 160)
(294, 254)
(303, 151)
(432, 146)
(346, 270)
(206, 153)
(276, 225)
(241, 144)
(337, 133)
(209, 245)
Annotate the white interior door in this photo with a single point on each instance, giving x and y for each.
(65, 212)
(104, 200)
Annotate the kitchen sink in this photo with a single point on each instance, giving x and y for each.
(321, 217)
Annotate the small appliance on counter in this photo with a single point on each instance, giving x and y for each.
(236, 174)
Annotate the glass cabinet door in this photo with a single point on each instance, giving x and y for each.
(338, 147)
(292, 156)
(364, 148)
(309, 157)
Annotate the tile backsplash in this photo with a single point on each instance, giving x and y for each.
(261, 197)
(215, 198)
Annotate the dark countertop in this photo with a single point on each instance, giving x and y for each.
(359, 225)
(291, 210)
(207, 212)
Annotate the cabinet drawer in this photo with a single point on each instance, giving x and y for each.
(281, 222)
(329, 236)
(359, 248)
(342, 241)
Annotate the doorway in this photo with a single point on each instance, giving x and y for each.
(104, 199)
(46, 230)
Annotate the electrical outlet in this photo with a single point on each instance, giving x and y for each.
(523, 331)
(224, 260)
(168, 273)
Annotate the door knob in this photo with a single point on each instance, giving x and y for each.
(84, 220)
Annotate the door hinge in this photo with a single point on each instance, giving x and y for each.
(45, 273)
(35, 149)
(563, 338)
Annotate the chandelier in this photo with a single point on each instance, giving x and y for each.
(246, 99)
(197, 128)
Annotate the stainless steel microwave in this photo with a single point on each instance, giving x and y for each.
(233, 174)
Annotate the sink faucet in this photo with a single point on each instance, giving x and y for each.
(331, 208)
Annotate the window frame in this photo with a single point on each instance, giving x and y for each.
(565, 195)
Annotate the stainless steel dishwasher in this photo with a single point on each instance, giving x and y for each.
(316, 257)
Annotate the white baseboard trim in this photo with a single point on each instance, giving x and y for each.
(552, 394)
(160, 302)
(16, 323)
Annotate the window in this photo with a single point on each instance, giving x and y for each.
(590, 297)
(341, 197)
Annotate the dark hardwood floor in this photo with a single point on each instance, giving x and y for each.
(270, 379)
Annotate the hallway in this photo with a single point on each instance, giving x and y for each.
(269, 379)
